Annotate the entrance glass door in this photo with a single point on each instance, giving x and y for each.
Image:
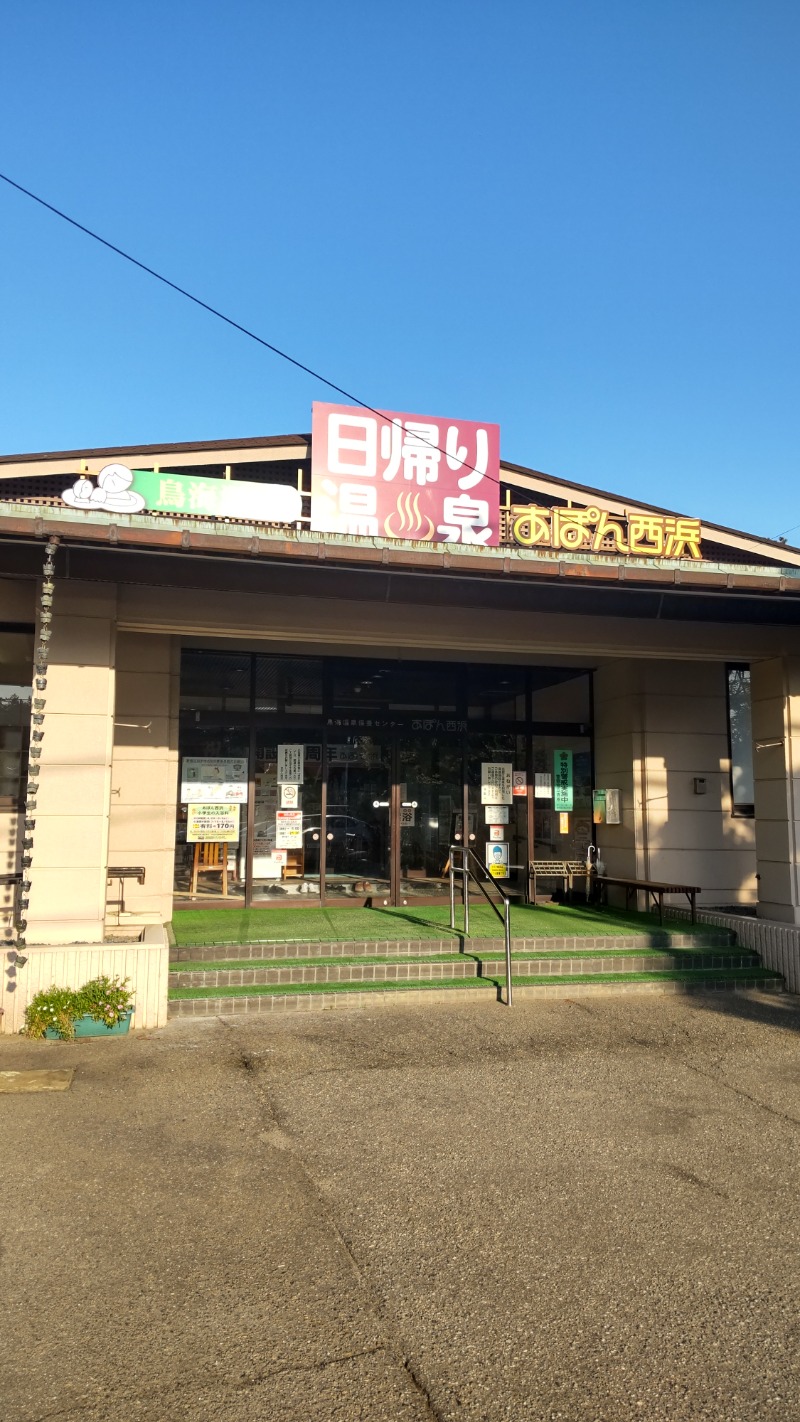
(498, 819)
(358, 818)
(429, 806)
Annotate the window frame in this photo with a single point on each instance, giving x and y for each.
(744, 810)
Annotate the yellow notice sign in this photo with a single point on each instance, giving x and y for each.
(218, 824)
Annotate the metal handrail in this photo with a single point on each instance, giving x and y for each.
(466, 874)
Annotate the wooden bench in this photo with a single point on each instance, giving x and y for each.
(565, 869)
(651, 887)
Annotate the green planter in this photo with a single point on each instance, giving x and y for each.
(86, 1026)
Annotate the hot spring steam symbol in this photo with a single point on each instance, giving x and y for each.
(406, 521)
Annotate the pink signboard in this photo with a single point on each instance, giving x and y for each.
(404, 476)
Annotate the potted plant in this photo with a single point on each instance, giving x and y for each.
(101, 1008)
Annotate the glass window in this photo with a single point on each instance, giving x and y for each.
(215, 681)
(562, 797)
(211, 827)
(16, 672)
(740, 734)
(496, 693)
(289, 686)
(286, 815)
(358, 823)
(379, 688)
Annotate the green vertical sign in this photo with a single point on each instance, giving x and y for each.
(563, 795)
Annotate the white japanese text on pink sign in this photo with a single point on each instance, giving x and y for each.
(404, 476)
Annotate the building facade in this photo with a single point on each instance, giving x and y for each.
(253, 677)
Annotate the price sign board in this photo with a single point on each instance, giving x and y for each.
(289, 829)
(212, 824)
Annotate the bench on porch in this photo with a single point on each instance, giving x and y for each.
(564, 869)
(652, 887)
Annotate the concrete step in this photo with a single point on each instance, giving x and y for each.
(422, 947)
(316, 997)
(466, 966)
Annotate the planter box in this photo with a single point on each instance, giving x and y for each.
(87, 1027)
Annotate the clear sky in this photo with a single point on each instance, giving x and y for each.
(577, 219)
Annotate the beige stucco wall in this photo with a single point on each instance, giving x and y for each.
(110, 754)
(68, 871)
(658, 725)
(144, 776)
(432, 630)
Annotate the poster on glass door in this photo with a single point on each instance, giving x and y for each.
(291, 760)
(496, 782)
(497, 859)
(214, 780)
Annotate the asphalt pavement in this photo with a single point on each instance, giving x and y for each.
(578, 1210)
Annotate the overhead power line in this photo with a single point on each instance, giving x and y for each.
(229, 321)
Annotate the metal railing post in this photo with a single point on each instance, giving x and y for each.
(452, 892)
(465, 876)
(508, 951)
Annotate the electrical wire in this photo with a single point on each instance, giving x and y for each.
(245, 331)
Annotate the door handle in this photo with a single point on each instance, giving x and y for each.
(380, 804)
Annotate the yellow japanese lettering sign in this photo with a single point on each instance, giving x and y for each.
(595, 530)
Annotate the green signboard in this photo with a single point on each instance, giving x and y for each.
(563, 793)
(123, 490)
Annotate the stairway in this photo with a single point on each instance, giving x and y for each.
(291, 976)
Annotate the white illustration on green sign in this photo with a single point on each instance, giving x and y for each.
(563, 793)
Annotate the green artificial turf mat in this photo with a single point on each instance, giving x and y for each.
(195, 927)
(222, 965)
(688, 975)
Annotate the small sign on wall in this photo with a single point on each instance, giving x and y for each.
(519, 784)
(613, 816)
(290, 797)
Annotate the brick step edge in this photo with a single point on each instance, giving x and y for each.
(358, 1001)
(467, 967)
(418, 947)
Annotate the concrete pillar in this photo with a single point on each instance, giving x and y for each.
(144, 778)
(775, 687)
(617, 738)
(70, 849)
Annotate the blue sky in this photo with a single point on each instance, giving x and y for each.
(578, 220)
